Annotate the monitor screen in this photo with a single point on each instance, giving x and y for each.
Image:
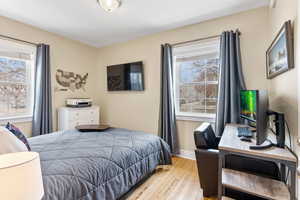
(249, 104)
(128, 77)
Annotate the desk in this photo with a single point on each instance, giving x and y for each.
(252, 184)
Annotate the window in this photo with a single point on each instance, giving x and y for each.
(196, 79)
(17, 63)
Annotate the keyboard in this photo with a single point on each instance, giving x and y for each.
(244, 132)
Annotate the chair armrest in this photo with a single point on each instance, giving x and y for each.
(208, 151)
(207, 164)
(205, 137)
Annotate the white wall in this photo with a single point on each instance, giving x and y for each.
(139, 110)
(283, 89)
(297, 53)
(297, 38)
(65, 54)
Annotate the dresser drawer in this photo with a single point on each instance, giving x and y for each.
(83, 115)
(69, 118)
(78, 123)
(84, 121)
(73, 116)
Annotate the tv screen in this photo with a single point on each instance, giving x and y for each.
(249, 104)
(125, 77)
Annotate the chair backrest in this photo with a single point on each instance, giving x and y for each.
(205, 137)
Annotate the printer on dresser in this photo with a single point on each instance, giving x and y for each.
(70, 117)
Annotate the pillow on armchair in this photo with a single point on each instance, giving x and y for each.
(9, 143)
(18, 133)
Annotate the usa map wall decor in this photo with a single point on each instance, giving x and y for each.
(70, 80)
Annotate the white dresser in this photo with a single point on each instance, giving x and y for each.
(69, 118)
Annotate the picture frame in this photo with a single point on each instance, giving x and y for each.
(280, 55)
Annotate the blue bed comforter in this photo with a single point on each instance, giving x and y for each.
(97, 165)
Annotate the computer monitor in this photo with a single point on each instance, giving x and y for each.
(249, 104)
(254, 107)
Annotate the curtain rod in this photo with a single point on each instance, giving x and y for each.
(200, 39)
(196, 40)
(23, 41)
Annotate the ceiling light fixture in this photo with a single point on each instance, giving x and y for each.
(109, 5)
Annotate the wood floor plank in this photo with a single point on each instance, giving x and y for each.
(179, 182)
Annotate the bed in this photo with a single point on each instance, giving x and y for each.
(97, 165)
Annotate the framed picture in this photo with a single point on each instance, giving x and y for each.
(280, 55)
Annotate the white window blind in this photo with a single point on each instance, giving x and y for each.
(17, 63)
(196, 78)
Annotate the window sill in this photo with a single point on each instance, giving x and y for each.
(20, 119)
(195, 118)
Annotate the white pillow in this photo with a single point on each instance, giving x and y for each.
(9, 143)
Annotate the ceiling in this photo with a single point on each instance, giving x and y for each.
(85, 21)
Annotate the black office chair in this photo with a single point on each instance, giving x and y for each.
(207, 155)
(205, 137)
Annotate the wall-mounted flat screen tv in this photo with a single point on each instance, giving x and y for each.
(125, 77)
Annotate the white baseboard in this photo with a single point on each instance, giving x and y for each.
(187, 154)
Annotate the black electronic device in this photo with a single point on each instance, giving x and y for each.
(254, 107)
(245, 139)
(244, 132)
(279, 121)
(267, 144)
(125, 77)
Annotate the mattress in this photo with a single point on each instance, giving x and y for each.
(97, 165)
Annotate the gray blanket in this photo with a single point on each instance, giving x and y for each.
(97, 166)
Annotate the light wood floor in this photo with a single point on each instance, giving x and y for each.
(180, 182)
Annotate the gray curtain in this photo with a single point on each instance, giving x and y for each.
(42, 109)
(231, 81)
(167, 118)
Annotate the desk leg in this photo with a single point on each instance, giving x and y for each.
(221, 165)
(293, 182)
(282, 172)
